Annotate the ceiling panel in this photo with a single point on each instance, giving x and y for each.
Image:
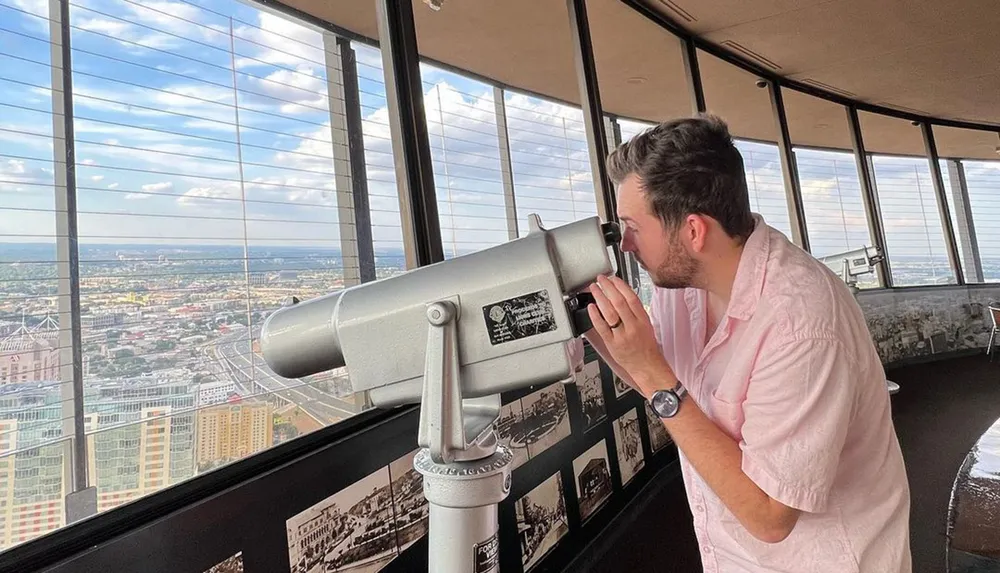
(733, 94)
(816, 122)
(643, 77)
(966, 143)
(703, 16)
(840, 32)
(890, 135)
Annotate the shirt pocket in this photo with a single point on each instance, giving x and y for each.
(726, 414)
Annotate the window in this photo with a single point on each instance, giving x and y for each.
(914, 237)
(630, 129)
(831, 194)
(828, 176)
(32, 290)
(549, 160)
(765, 183)
(983, 181)
(462, 129)
(212, 182)
(972, 153)
(913, 233)
(383, 198)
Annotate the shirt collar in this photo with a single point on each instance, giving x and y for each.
(749, 282)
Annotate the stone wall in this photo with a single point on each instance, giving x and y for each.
(916, 323)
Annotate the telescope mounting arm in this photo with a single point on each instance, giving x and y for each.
(446, 420)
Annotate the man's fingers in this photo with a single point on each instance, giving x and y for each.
(615, 298)
(600, 325)
(606, 308)
(632, 299)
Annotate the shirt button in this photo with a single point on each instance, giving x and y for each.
(699, 508)
(707, 549)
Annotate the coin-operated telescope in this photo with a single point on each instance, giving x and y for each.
(852, 264)
(452, 336)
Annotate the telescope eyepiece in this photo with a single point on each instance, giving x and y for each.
(612, 233)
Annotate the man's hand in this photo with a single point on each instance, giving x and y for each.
(626, 332)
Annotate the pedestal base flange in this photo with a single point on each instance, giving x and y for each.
(466, 484)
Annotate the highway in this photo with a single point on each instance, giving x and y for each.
(235, 356)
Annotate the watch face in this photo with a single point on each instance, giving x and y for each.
(665, 403)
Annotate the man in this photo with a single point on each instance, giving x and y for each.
(758, 361)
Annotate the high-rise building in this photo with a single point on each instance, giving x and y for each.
(143, 439)
(24, 358)
(233, 431)
(210, 393)
(140, 438)
(32, 480)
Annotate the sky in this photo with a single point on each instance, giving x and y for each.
(160, 88)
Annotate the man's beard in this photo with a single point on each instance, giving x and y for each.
(679, 270)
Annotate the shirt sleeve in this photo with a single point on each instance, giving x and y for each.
(797, 412)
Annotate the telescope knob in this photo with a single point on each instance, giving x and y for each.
(440, 312)
(612, 233)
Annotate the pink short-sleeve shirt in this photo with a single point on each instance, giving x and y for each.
(792, 375)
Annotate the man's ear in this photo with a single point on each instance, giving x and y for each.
(695, 229)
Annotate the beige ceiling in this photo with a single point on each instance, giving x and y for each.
(931, 57)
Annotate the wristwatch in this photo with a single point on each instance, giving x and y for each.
(666, 403)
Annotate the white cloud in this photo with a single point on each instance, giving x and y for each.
(301, 91)
(17, 175)
(39, 8)
(170, 17)
(279, 41)
(113, 186)
(97, 178)
(36, 7)
(115, 28)
(157, 187)
(137, 196)
(201, 196)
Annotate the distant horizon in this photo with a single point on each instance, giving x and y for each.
(383, 250)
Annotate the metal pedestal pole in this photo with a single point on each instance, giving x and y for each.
(463, 498)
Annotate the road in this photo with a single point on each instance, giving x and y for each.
(234, 355)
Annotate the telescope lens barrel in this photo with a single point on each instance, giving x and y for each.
(301, 339)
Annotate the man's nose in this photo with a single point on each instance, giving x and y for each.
(626, 245)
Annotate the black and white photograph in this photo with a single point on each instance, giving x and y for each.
(546, 418)
(592, 474)
(408, 501)
(907, 325)
(511, 432)
(621, 388)
(588, 383)
(658, 436)
(352, 531)
(630, 456)
(541, 520)
(232, 565)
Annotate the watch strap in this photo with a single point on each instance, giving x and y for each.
(680, 390)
